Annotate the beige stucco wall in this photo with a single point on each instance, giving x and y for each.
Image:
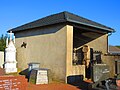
(99, 44)
(52, 47)
(47, 48)
(70, 69)
(52, 50)
(69, 50)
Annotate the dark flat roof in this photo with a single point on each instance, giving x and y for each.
(62, 18)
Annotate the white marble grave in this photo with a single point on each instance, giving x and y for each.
(39, 76)
(10, 54)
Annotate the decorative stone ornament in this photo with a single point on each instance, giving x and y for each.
(10, 54)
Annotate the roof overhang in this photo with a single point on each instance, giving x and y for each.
(63, 17)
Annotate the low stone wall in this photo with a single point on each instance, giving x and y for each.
(13, 83)
(110, 61)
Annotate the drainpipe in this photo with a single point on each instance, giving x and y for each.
(109, 34)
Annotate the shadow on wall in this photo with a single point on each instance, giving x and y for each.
(38, 31)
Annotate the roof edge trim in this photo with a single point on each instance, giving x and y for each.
(109, 30)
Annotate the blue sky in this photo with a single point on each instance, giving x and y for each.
(14, 13)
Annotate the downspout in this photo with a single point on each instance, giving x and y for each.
(109, 34)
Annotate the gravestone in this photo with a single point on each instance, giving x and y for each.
(39, 76)
(13, 83)
(100, 72)
(10, 54)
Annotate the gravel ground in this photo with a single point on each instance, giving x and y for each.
(51, 87)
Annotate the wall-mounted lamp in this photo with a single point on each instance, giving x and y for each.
(24, 45)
